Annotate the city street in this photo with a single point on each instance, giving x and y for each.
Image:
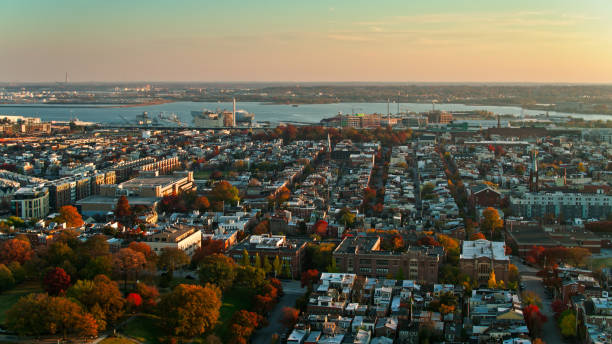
(292, 291)
(550, 330)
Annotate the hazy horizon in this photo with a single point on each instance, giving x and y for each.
(188, 41)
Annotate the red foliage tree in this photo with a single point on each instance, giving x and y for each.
(535, 254)
(56, 281)
(276, 283)
(149, 294)
(534, 319)
(427, 241)
(133, 301)
(263, 303)
(208, 248)
(320, 228)
(558, 307)
(243, 323)
(309, 277)
(289, 317)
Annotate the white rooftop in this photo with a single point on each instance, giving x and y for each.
(484, 248)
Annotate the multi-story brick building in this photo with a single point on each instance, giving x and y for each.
(481, 257)
(362, 255)
(290, 252)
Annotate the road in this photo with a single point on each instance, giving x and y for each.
(550, 330)
(292, 291)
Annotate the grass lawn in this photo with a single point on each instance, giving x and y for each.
(145, 329)
(202, 174)
(10, 297)
(233, 300)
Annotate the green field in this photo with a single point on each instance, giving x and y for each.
(233, 300)
(145, 329)
(601, 262)
(10, 297)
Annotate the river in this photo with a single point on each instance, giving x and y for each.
(311, 113)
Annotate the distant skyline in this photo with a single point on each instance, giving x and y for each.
(541, 41)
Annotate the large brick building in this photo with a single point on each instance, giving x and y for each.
(362, 255)
(480, 257)
(270, 246)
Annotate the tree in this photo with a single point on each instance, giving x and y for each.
(7, 281)
(172, 258)
(531, 298)
(100, 297)
(149, 295)
(266, 266)
(39, 314)
(250, 277)
(558, 307)
(201, 203)
(209, 247)
(123, 213)
(246, 260)
(332, 267)
(491, 221)
(289, 317)
(242, 325)
(578, 255)
(19, 273)
(190, 310)
(262, 227)
(309, 277)
(427, 241)
(277, 266)
(492, 283)
(477, 236)
(16, 250)
(534, 319)
(567, 323)
(257, 261)
(320, 228)
(143, 248)
(69, 215)
(218, 269)
(56, 281)
(346, 217)
(448, 243)
(225, 192)
(133, 301)
(128, 262)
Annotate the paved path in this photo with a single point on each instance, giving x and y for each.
(292, 291)
(550, 331)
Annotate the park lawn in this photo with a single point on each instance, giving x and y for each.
(234, 300)
(145, 329)
(202, 174)
(10, 297)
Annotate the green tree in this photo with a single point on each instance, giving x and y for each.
(399, 276)
(171, 259)
(277, 266)
(7, 281)
(257, 261)
(250, 277)
(567, 323)
(218, 269)
(346, 217)
(225, 192)
(246, 260)
(332, 267)
(267, 267)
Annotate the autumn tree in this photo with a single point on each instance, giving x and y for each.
(143, 248)
(128, 263)
(309, 277)
(567, 323)
(346, 217)
(225, 192)
(56, 281)
(491, 222)
(149, 295)
(534, 319)
(320, 228)
(289, 317)
(427, 240)
(209, 247)
(190, 310)
(40, 314)
(133, 301)
(16, 250)
(242, 325)
(70, 215)
(100, 297)
(201, 203)
(250, 277)
(218, 269)
(531, 298)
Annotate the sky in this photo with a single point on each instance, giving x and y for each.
(310, 41)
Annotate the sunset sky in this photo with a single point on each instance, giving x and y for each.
(231, 40)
